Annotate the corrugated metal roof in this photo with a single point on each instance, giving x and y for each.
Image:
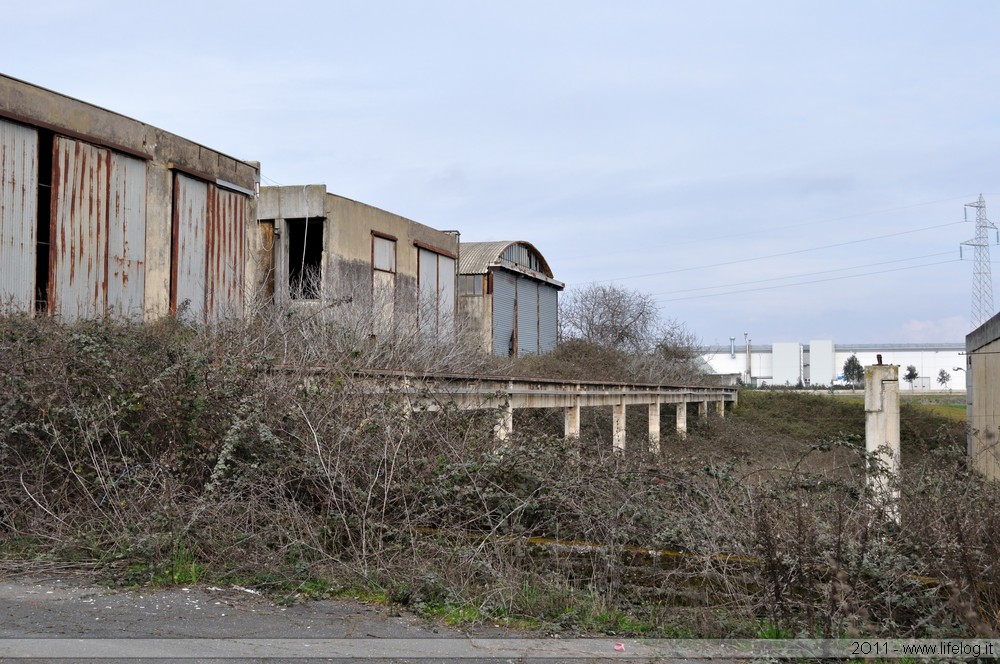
(477, 257)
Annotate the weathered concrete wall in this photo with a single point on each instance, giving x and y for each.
(983, 397)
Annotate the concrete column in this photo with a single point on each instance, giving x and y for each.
(682, 419)
(702, 410)
(720, 408)
(505, 423)
(619, 432)
(572, 419)
(654, 427)
(882, 436)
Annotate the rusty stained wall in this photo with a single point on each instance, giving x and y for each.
(208, 251)
(18, 211)
(97, 232)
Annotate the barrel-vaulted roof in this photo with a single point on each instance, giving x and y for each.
(478, 257)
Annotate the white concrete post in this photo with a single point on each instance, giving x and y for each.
(654, 427)
(702, 410)
(720, 408)
(619, 429)
(572, 419)
(882, 436)
(505, 422)
(682, 419)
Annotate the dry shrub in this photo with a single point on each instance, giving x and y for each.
(257, 451)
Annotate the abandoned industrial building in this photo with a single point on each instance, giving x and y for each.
(102, 215)
(317, 248)
(507, 290)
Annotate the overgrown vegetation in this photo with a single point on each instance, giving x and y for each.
(257, 454)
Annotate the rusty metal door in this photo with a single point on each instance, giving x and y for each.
(18, 215)
(504, 297)
(79, 242)
(188, 262)
(225, 254)
(126, 278)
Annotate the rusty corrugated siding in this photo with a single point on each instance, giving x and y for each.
(79, 242)
(189, 248)
(18, 211)
(226, 254)
(126, 238)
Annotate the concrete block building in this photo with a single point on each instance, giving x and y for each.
(103, 215)
(507, 291)
(316, 249)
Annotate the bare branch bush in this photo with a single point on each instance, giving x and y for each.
(267, 451)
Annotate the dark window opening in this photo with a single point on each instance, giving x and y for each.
(43, 225)
(305, 258)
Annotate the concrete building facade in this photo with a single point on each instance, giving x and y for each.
(507, 291)
(103, 215)
(315, 249)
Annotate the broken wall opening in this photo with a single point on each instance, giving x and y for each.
(305, 258)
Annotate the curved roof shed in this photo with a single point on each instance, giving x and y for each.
(507, 288)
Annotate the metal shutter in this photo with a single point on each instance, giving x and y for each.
(126, 277)
(446, 298)
(18, 212)
(78, 251)
(527, 316)
(427, 277)
(225, 254)
(504, 295)
(548, 318)
(190, 230)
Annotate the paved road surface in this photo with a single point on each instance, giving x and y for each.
(67, 618)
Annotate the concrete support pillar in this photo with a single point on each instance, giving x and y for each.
(619, 432)
(505, 423)
(654, 427)
(882, 436)
(720, 408)
(572, 419)
(702, 410)
(682, 419)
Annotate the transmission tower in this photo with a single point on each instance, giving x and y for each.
(982, 279)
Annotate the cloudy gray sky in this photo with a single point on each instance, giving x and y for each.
(744, 162)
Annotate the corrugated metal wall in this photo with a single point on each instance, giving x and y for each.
(190, 242)
(427, 278)
(209, 250)
(18, 210)
(446, 297)
(226, 254)
(126, 279)
(548, 318)
(78, 253)
(527, 316)
(504, 297)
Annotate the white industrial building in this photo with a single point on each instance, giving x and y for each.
(821, 362)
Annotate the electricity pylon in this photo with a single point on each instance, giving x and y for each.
(982, 279)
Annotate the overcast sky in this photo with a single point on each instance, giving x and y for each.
(741, 161)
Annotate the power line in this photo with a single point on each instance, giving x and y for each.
(805, 283)
(777, 255)
(803, 274)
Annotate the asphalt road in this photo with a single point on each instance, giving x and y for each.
(65, 619)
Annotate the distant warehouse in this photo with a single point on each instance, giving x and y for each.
(102, 215)
(506, 289)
